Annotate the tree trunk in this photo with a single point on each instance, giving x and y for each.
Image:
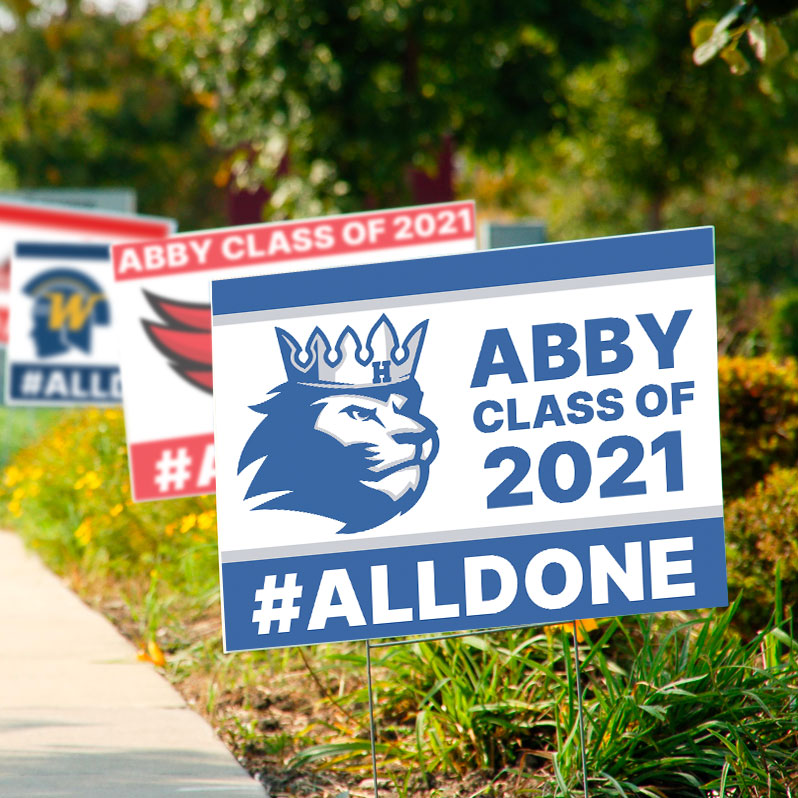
(437, 187)
(656, 206)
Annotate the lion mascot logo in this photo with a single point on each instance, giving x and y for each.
(344, 436)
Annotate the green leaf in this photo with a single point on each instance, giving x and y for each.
(776, 46)
(736, 60)
(702, 31)
(709, 48)
(757, 38)
(330, 750)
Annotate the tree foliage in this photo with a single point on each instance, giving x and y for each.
(83, 105)
(652, 142)
(757, 24)
(328, 103)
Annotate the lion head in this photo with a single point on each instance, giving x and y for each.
(359, 456)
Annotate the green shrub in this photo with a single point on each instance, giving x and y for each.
(689, 711)
(21, 426)
(761, 539)
(68, 495)
(673, 707)
(758, 419)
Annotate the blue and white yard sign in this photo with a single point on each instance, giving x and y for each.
(62, 349)
(506, 437)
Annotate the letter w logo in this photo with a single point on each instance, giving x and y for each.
(73, 312)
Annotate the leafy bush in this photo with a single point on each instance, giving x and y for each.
(68, 495)
(20, 427)
(694, 711)
(758, 419)
(762, 544)
(673, 707)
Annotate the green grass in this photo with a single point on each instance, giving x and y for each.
(690, 709)
(22, 426)
(674, 706)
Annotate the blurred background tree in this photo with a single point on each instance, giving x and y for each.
(337, 106)
(653, 141)
(83, 104)
(591, 115)
(7, 176)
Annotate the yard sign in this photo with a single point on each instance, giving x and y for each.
(121, 200)
(493, 439)
(62, 349)
(23, 221)
(162, 295)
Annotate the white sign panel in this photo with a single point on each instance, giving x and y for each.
(62, 348)
(162, 298)
(516, 436)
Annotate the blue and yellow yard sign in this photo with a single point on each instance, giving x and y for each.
(62, 350)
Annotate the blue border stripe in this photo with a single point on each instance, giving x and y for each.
(572, 259)
(241, 580)
(77, 251)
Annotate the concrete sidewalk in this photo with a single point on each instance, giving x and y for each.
(80, 716)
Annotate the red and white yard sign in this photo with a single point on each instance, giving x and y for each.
(22, 221)
(162, 302)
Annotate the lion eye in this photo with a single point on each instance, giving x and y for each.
(361, 413)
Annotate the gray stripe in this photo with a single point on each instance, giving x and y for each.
(424, 538)
(468, 293)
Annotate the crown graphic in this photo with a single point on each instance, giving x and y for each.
(381, 361)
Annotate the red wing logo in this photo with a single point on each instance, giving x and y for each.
(184, 338)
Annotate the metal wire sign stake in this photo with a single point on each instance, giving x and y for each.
(581, 707)
(433, 638)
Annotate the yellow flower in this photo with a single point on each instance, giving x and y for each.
(12, 476)
(116, 509)
(83, 532)
(15, 508)
(205, 520)
(89, 480)
(169, 529)
(188, 522)
(18, 494)
(582, 627)
(152, 654)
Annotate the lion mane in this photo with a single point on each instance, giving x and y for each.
(307, 470)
